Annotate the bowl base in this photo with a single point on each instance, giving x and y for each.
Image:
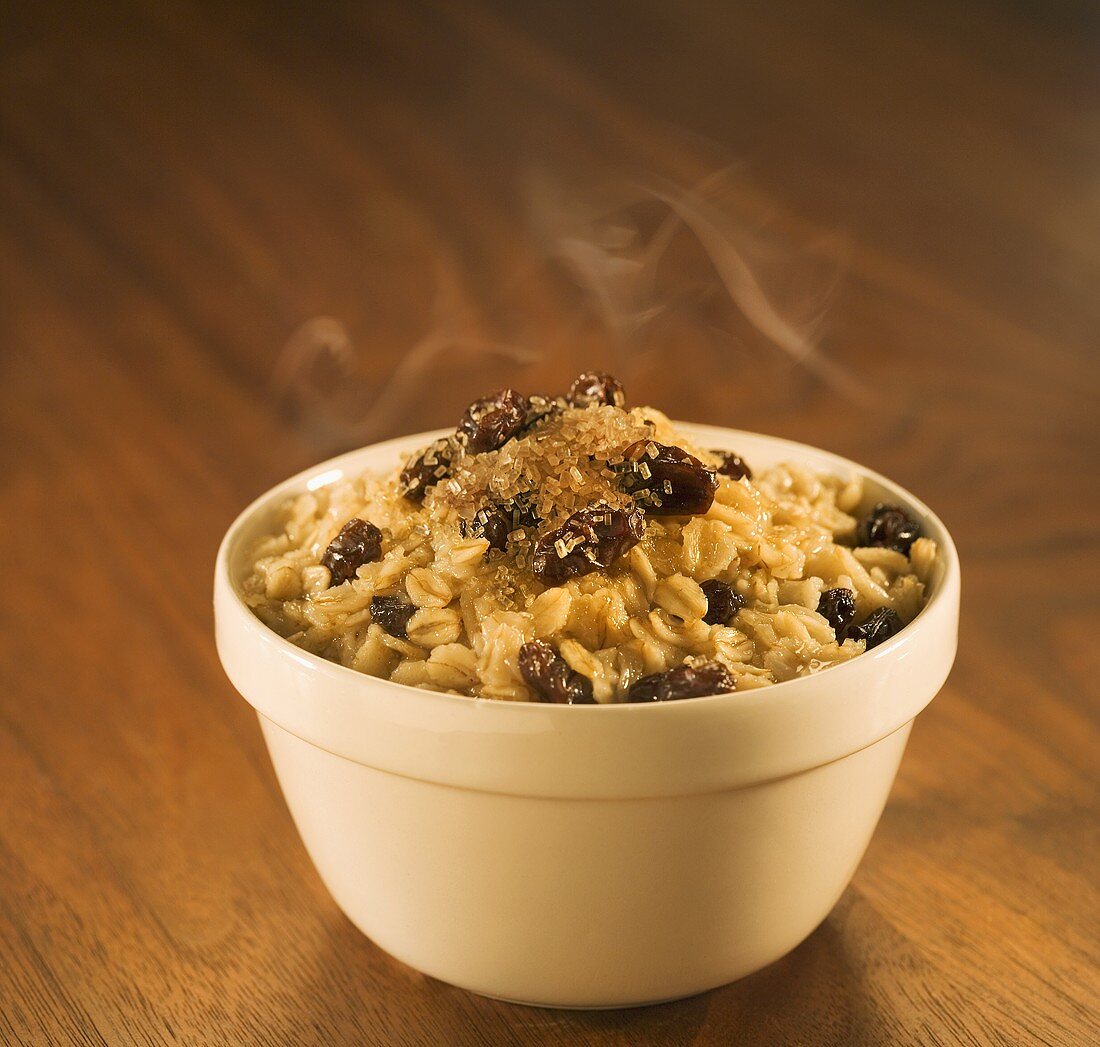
(591, 1006)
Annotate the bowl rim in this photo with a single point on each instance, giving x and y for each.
(336, 468)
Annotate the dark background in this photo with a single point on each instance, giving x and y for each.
(236, 238)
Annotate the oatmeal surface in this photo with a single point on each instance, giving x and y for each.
(571, 549)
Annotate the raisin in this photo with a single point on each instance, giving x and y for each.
(838, 608)
(426, 469)
(548, 674)
(685, 681)
(594, 388)
(523, 512)
(540, 407)
(723, 601)
(890, 527)
(878, 628)
(491, 523)
(667, 481)
(358, 542)
(496, 522)
(590, 539)
(733, 465)
(492, 421)
(392, 613)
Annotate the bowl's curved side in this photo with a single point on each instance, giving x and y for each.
(584, 902)
(677, 748)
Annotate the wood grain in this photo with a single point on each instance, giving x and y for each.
(184, 185)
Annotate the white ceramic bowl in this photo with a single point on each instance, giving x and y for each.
(585, 856)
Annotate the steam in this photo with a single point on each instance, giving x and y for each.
(618, 267)
(319, 377)
(610, 245)
(710, 226)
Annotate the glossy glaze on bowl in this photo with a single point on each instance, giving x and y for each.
(585, 855)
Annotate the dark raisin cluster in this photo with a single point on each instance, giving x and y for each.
(495, 522)
(548, 675)
(878, 628)
(539, 408)
(685, 681)
(393, 614)
(359, 542)
(733, 465)
(590, 539)
(663, 481)
(838, 608)
(425, 470)
(594, 388)
(888, 527)
(490, 522)
(492, 421)
(723, 602)
(667, 481)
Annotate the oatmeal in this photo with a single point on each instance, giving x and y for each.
(570, 549)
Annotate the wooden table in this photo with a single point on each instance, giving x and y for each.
(468, 192)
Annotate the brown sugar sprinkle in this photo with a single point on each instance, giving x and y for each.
(567, 466)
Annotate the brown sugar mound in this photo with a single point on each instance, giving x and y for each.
(564, 463)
